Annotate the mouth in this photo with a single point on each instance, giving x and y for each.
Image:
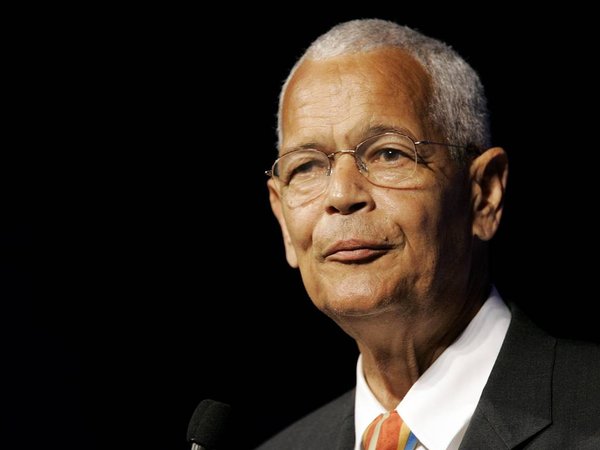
(355, 251)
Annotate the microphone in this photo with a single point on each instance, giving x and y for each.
(208, 425)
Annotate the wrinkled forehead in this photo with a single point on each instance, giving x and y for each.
(339, 94)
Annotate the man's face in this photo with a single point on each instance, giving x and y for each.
(362, 248)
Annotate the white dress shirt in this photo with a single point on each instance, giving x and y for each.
(439, 406)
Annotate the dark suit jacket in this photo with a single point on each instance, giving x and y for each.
(543, 393)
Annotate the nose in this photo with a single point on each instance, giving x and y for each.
(348, 191)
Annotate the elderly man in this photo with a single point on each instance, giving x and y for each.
(387, 191)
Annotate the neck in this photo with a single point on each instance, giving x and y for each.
(397, 346)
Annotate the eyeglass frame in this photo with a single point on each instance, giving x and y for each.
(470, 149)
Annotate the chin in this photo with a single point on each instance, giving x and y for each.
(354, 306)
(354, 295)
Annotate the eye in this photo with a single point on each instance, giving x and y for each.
(389, 154)
(302, 166)
(305, 169)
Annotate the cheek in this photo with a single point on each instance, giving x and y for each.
(427, 224)
(300, 223)
(415, 214)
(444, 232)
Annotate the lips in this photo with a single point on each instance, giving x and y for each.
(355, 251)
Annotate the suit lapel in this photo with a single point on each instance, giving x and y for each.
(516, 402)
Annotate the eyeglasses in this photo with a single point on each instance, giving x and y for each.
(388, 160)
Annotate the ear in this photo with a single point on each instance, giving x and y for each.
(489, 173)
(275, 199)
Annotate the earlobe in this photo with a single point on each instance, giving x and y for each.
(276, 207)
(489, 174)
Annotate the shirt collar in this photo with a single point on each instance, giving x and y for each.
(439, 406)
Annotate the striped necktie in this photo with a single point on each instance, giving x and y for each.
(388, 432)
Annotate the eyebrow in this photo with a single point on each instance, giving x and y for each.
(366, 132)
(379, 128)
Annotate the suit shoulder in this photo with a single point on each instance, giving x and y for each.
(325, 427)
(579, 357)
(577, 360)
(576, 391)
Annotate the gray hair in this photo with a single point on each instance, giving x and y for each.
(458, 107)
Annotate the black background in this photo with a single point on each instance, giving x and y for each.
(162, 275)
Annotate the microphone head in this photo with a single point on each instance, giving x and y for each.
(209, 423)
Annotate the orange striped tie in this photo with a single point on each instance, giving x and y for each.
(388, 432)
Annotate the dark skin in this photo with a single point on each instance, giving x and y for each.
(402, 271)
